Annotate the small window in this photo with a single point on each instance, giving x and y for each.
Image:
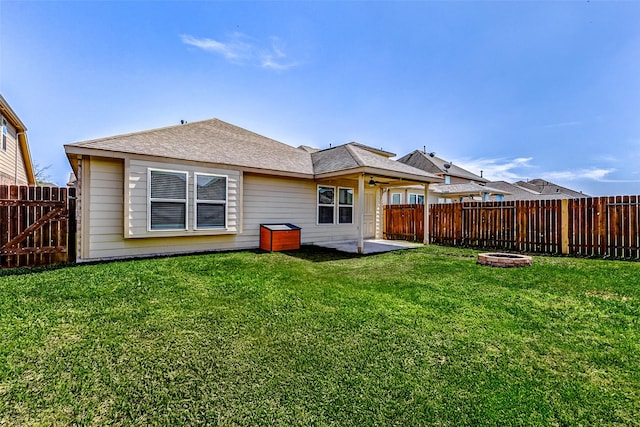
(326, 204)
(345, 206)
(211, 201)
(396, 198)
(167, 200)
(500, 197)
(447, 179)
(416, 199)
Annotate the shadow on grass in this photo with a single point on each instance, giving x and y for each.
(318, 254)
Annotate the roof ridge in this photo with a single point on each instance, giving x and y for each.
(351, 150)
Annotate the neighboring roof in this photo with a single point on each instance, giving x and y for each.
(466, 189)
(431, 163)
(549, 188)
(218, 142)
(528, 192)
(23, 143)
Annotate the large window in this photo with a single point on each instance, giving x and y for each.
(211, 201)
(326, 204)
(335, 208)
(345, 205)
(167, 200)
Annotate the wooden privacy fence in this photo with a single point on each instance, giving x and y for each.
(37, 225)
(404, 222)
(599, 226)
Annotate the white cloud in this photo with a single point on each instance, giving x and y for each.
(596, 174)
(562, 125)
(500, 169)
(521, 168)
(241, 49)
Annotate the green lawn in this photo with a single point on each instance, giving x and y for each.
(420, 337)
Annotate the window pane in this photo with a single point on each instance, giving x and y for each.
(395, 199)
(325, 215)
(345, 196)
(212, 187)
(168, 216)
(210, 216)
(345, 215)
(168, 185)
(325, 195)
(412, 199)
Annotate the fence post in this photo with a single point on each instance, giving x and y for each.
(425, 239)
(564, 224)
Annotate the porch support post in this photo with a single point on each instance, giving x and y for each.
(426, 214)
(361, 214)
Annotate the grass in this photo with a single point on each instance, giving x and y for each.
(420, 337)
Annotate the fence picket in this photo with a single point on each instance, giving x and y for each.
(34, 226)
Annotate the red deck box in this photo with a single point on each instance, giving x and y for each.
(279, 237)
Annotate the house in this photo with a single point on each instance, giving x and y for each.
(429, 162)
(459, 184)
(546, 188)
(208, 185)
(470, 191)
(535, 189)
(16, 167)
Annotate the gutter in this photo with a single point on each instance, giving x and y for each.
(26, 155)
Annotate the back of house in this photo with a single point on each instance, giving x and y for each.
(208, 185)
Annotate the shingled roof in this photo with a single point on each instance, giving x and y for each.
(466, 189)
(431, 163)
(217, 142)
(209, 141)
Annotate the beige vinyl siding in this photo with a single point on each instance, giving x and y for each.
(137, 222)
(10, 171)
(260, 199)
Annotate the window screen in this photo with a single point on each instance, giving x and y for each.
(168, 200)
(345, 206)
(211, 201)
(326, 205)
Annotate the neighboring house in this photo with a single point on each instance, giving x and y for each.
(468, 192)
(536, 189)
(459, 184)
(209, 185)
(546, 188)
(16, 167)
(450, 173)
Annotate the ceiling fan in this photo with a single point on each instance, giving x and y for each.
(373, 182)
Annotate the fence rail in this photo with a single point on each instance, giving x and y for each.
(599, 226)
(37, 225)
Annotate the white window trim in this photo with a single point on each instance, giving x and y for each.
(338, 205)
(196, 201)
(149, 200)
(418, 195)
(5, 131)
(318, 205)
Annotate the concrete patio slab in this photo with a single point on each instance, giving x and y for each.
(372, 246)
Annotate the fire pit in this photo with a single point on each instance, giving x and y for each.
(504, 260)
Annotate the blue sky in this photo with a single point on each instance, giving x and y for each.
(520, 90)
